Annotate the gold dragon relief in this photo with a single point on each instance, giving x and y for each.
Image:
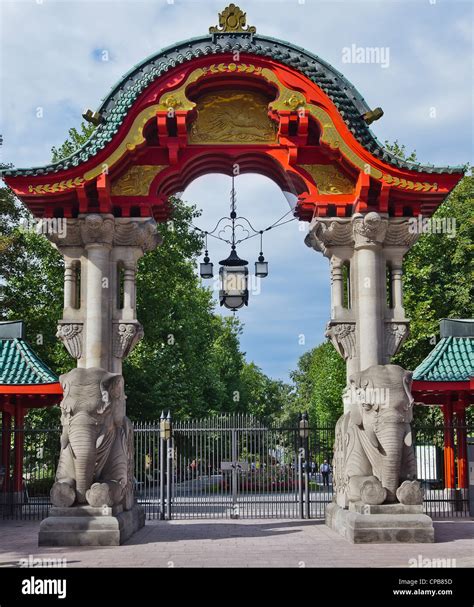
(136, 180)
(328, 179)
(233, 117)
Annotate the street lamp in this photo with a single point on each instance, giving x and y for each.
(234, 281)
(233, 273)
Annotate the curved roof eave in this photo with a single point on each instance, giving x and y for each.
(341, 91)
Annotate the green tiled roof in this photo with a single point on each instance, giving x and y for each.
(451, 360)
(116, 105)
(19, 365)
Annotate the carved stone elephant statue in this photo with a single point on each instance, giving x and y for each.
(374, 460)
(96, 459)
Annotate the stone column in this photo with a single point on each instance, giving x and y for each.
(374, 464)
(369, 332)
(94, 478)
(333, 237)
(97, 332)
(70, 283)
(96, 335)
(369, 287)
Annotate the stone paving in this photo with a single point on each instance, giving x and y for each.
(241, 543)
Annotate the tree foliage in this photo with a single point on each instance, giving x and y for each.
(318, 384)
(75, 141)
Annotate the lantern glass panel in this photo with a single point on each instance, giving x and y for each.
(206, 270)
(261, 269)
(234, 286)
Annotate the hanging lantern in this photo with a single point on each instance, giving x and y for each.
(234, 282)
(206, 268)
(261, 267)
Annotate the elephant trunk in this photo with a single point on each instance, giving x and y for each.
(83, 438)
(390, 436)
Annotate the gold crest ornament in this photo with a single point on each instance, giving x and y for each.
(233, 20)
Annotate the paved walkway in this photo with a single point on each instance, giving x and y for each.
(242, 543)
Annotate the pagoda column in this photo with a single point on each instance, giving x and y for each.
(462, 468)
(6, 447)
(449, 459)
(19, 445)
(368, 274)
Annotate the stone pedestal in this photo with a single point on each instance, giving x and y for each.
(88, 526)
(384, 524)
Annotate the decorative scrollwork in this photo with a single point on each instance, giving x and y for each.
(342, 335)
(395, 335)
(126, 335)
(71, 336)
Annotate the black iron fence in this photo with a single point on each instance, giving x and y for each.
(28, 497)
(230, 466)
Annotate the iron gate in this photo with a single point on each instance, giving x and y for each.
(232, 467)
(226, 466)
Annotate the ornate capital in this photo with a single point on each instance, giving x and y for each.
(133, 233)
(97, 229)
(343, 338)
(369, 229)
(395, 335)
(70, 333)
(125, 337)
(110, 231)
(327, 233)
(401, 233)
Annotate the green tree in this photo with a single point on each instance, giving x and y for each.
(438, 276)
(400, 151)
(75, 141)
(318, 382)
(262, 396)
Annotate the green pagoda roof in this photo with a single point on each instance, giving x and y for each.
(452, 360)
(19, 365)
(115, 106)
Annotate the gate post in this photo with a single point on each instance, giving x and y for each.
(99, 329)
(303, 476)
(234, 478)
(169, 464)
(367, 328)
(163, 456)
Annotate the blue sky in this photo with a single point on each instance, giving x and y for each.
(53, 67)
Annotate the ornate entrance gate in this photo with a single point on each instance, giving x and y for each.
(232, 100)
(232, 467)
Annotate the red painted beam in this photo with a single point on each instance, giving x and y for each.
(31, 389)
(440, 386)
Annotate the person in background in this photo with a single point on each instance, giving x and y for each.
(325, 470)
